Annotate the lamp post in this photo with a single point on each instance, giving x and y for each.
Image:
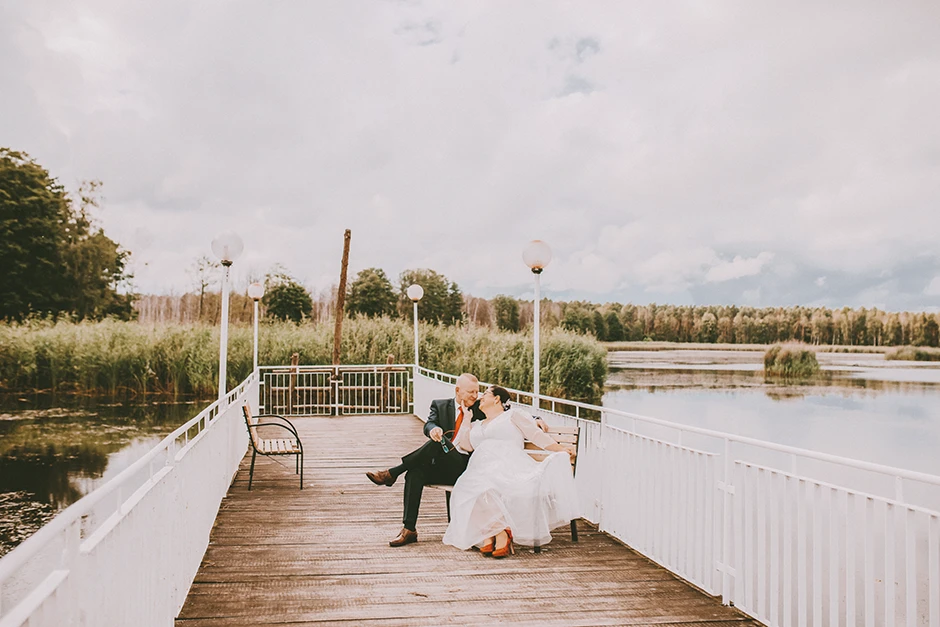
(256, 293)
(537, 255)
(415, 292)
(227, 247)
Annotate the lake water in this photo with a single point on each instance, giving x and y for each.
(53, 451)
(862, 406)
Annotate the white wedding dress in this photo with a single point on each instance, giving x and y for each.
(504, 487)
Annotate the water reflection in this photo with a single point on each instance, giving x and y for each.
(843, 383)
(892, 422)
(59, 450)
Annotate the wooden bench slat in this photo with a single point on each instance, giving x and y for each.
(552, 429)
(563, 437)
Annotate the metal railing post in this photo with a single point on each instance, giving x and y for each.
(728, 573)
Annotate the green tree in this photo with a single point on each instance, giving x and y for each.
(286, 299)
(442, 301)
(614, 327)
(96, 264)
(600, 326)
(371, 294)
(578, 317)
(54, 259)
(506, 309)
(931, 332)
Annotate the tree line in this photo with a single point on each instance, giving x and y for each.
(725, 324)
(372, 294)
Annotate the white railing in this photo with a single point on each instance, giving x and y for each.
(787, 535)
(126, 554)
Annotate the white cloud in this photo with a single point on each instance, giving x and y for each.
(657, 149)
(737, 268)
(933, 288)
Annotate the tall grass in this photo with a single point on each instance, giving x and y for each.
(129, 359)
(791, 361)
(913, 353)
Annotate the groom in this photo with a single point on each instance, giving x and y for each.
(429, 464)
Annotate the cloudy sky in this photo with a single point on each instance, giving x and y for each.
(698, 152)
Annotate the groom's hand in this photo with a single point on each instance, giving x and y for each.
(542, 425)
(436, 434)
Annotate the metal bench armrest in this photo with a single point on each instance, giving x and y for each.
(277, 424)
(289, 424)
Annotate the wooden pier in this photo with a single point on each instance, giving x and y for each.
(320, 556)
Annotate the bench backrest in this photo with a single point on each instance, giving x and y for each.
(250, 422)
(566, 436)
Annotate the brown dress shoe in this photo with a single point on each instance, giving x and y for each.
(406, 536)
(381, 477)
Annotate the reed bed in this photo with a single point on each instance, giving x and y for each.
(126, 359)
(913, 353)
(790, 361)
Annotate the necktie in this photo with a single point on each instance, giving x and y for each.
(459, 420)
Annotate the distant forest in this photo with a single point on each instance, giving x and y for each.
(615, 322)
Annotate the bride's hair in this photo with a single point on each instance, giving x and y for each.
(501, 393)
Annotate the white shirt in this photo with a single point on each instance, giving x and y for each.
(465, 424)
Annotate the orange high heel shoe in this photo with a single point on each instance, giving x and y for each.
(506, 550)
(487, 549)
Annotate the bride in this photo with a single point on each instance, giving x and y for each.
(505, 495)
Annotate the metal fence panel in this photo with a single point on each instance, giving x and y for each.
(335, 390)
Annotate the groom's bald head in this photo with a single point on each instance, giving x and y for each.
(467, 389)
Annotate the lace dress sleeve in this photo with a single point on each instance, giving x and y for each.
(465, 441)
(526, 424)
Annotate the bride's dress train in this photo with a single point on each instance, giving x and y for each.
(504, 487)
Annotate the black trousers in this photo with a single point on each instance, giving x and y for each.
(428, 465)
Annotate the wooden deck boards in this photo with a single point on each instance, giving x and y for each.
(282, 556)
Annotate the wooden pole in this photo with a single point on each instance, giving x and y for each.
(341, 299)
(292, 383)
(385, 396)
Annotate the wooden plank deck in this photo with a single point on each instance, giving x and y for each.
(282, 556)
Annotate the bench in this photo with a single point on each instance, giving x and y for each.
(566, 436)
(273, 446)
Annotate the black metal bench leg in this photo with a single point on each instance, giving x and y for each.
(301, 462)
(537, 548)
(574, 531)
(447, 498)
(251, 473)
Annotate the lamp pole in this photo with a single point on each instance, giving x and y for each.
(536, 255)
(227, 247)
(223, 339)
(256, 293)
(415, 293)
(536, 354)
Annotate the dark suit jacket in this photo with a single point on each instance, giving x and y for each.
(444, 415)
